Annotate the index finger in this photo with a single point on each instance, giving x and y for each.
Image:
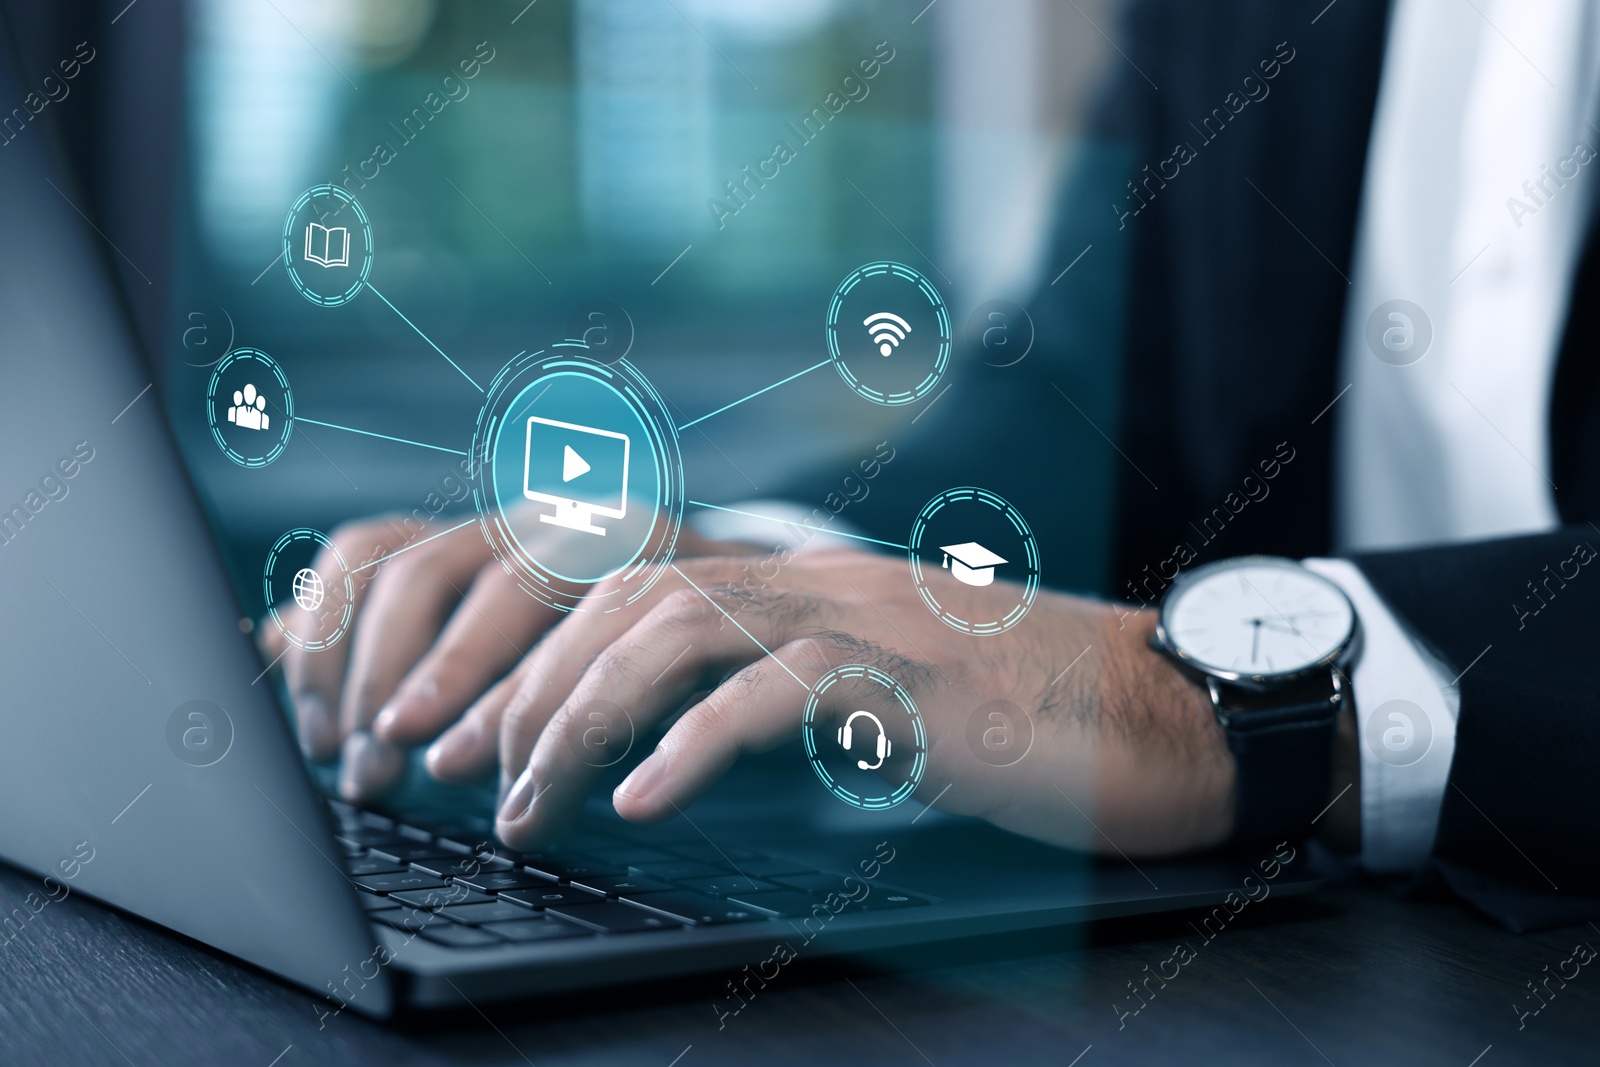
(640, 677)
(761, 707)
(314, 678)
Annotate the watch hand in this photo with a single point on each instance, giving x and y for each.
(1255, 639)
(1277, 615)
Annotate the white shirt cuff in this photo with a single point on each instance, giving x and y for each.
(1406, 709)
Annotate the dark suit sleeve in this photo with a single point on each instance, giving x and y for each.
(1518, 834)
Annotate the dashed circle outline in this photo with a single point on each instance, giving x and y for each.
(808, 732)
(303, 533)
(286, 415)
(946, 335)
(341, 193)
(1030, 588)
(648, 406)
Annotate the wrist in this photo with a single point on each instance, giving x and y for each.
(1168, 714)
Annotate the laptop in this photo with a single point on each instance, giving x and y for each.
(148, 762)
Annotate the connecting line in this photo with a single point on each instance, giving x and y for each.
(369, 433)
(742, 630)
(422, 335)
(802, 525)
(753, 395)
(414, 544)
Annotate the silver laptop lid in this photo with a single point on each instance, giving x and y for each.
(143, 759)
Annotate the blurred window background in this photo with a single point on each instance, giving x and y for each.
(584, 161)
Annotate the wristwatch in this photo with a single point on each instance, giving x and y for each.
(1272, 641)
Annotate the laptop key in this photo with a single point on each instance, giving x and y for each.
(371, 865)
(460, 936)
(373, 902)
(433, 899)
(582, 840)
(495, 881)
(478, 914)
(615, 917)
(365, 836)
(782, 903)
(622, 885)
(397, 881)
(698, 908)
(408, 919)
(726, 885)
(408, 851)
(550, 895)
(676, 870)
(628, 855)
(543, 928)
(722, 855)
(575, 868)
(447, 866)
(771, 867)
(821, 883)
(883, 899)
(520, 859)
(445, 844)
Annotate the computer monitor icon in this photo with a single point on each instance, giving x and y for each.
(582, 470)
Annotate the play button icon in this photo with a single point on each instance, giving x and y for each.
(572, 465)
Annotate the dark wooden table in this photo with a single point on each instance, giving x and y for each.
(1351, 975)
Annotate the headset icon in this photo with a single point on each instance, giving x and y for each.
(884, 746)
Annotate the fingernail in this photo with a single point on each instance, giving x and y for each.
(645, 779)
(369, 766)
(385, 721)
(520, 799)
(457, 742)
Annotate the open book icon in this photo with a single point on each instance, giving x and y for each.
(329, 247)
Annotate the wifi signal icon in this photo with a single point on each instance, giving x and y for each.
(887, 330)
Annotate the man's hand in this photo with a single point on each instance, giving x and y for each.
(1126, 757)
(433, 628)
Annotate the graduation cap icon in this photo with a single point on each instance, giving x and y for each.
(970, 563)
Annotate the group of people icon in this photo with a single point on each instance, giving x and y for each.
(249, 410)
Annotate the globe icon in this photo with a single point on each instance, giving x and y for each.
(307, 589)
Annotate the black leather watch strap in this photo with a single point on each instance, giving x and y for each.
(1284, 755)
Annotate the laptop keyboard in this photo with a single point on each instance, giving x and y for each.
(597, 883)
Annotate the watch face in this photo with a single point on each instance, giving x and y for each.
(1257, 618)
